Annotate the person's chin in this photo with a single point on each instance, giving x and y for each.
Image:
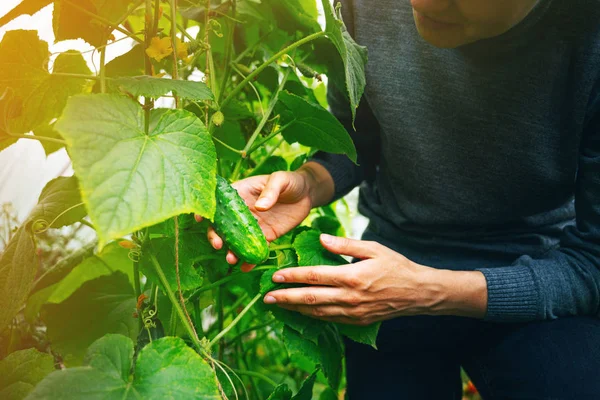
(445, 36)
(442, 41)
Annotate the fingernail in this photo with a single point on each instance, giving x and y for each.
(197, 218)
(278, 278)
(262, 202)
(270, 300)
(327, 239)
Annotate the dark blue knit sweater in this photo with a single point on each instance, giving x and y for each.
(485, 157)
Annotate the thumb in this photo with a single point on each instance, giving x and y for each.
(270, 194)
(349, 247)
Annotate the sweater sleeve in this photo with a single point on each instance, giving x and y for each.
(566, 281)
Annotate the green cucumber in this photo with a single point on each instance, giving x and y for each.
(236, 225)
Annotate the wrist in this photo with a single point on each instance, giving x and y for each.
(458, 293)
(319, 183)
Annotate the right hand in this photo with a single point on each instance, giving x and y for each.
(280, 202)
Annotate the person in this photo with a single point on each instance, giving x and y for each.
(479, 164)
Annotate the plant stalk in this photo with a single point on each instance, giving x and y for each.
(256, 375)
(175, 74)
(261, 68)
(259, 128)
(39, 138)
(271, 136)
(235, 321)
(148, 35)
(163, 279)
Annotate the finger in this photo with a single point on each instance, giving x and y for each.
(349, 247)
(247, 267)
(322, 275)
(214, 239)
(271, 192)
(231, 258)
(198, 218)
(305, 296)
(326, 312)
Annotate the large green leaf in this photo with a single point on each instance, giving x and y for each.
(59, 205)
(74, 19)
(28, 7)
(158, 87)
(296, 344)
(18, 266)
(230, 133)
(190, 250)
(313, 126)
(103, 305)
(39, 96)
(112, 258)
(128, 64)
(64, 267)
(130, 180)
(353, 56)
(165, 369)
(292, 15)
(21, 371)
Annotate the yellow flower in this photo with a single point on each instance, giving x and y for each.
(159, 48)
(182, 49)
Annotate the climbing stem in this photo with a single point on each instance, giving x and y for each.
(261, 68)
(176, 306)
(259, 128)
(235, 321)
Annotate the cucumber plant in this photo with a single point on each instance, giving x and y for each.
(149, 309)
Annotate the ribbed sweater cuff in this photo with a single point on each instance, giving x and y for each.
(512, 294)
(344, 172)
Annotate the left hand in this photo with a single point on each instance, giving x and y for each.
(382, 286)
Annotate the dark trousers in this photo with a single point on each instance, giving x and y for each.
(420, 358)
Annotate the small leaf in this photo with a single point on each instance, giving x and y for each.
(165, 369)
(306, 390)
(59, 204)
(39, 96)
(21, 371)
(281, 392)
(361, 334)
(25, 7)
(158, 87)
(353, 56)
(328, 224)
(103, 305)
(311, 252)
(312, 125)
(270, 165)
(75, 19)
(130, 180)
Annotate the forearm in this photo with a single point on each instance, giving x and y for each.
(459, 293)
(320, 183)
